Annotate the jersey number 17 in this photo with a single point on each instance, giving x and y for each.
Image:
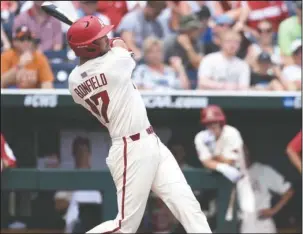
(93, 102)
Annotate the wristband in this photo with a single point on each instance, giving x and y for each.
(221, 167)
(111, 43)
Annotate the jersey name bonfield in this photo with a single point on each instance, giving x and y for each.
(90, 84)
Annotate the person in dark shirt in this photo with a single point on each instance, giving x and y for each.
(186, 44)
(263, 77)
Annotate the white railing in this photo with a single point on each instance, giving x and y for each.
(208, 93)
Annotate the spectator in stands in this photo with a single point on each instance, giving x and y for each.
(186, 44)
(90, 8)
(170, 17)
(5, 43)
(154, 74)
(219, 26)
(204, 16)
(290, 29)
(292, 74)
(262, 76)
(9, 10)
(294, 151)
(137, 25)
(265, 181)
(66, 6)
(264, 42)
(223, 70)
(46, 28)
(24, 66)
(263, 10)
(114, 10)
(8, 158)
(177, 10)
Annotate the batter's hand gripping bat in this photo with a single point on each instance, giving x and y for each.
(56, 12)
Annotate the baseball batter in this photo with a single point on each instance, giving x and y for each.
(138, 160)
(220, 148)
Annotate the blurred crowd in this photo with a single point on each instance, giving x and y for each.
(209, 45)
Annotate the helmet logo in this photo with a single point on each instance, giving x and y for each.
(101, 22)
(210, 114)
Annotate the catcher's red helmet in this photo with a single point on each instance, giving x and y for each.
(82, 34)
(212, 114)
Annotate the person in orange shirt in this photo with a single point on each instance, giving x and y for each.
(24, 66)
(294, 151)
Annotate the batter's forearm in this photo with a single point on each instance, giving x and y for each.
(283, 201)
(129, 40)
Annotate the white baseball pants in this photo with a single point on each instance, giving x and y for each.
(253, 224)
(140, 165)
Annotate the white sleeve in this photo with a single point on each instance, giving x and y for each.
(245, 75)
(275, 181)
(205, 68)
(202, 150)
(233, 146)
(123, 64)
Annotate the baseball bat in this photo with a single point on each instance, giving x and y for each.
(56, 12)
(230, 209)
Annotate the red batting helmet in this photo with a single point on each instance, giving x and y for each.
(82, 34)
(212, 114)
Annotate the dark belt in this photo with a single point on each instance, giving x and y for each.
(136, 136)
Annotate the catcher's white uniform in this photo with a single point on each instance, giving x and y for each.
(230, 146)
(138, 160)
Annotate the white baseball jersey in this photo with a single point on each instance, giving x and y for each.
(229, 145)
(104, 87)
(265, 180)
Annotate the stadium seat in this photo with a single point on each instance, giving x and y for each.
(61, 72)
(61, 54)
